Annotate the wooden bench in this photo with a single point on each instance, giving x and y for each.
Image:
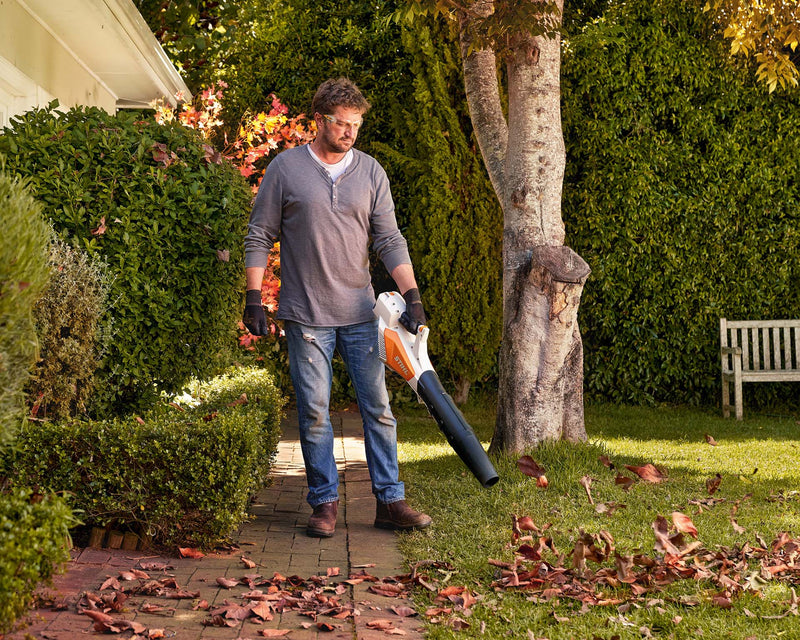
(757, 351)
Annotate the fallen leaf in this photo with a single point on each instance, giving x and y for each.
(712, 484)
(223, 255)
(606, 461)
(227, 583)
(404, 612)
(525, 523)
(274, 633)
(648, 473)
(248, 563)
(625, 481)
(683, 523)
(138, 419)
(189, 552)
(530, 467)
(381, 624)
(586, 483)
(111, 583)
(711, 441)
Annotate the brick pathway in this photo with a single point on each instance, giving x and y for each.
(275, 539)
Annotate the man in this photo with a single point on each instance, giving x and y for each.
(325, 202)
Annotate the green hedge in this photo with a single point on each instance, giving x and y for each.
(67, 318)
(681, 193)
(181, 473)
(168, 221)
(23, 274)
(34, 544)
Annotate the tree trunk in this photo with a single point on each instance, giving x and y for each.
(462, 390)
(541, 356)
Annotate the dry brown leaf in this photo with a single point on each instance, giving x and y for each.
(381, 624)
(683, 523)
(227, 583)
(711, 441)
(531, 468)
(274, 633)
(606, 461)
(190, 552)
(647, 472)
(625, 481)
(248, 563)
(712, 484)
(404, 612)
(586, 483)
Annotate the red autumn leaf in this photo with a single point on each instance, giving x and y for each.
(625, 481)
(332, 572)
(683, 523)
(101, 228)
(111, 583)
(228, 583)
(712, 484)
(531, 468)
(99, 616)
(153, 634)
(190, 552)
(203, 605)
(606, 461)
(648, 473)
(525, 523)
(663, 542)
(263, 611)
(381, 624)
(711, 441)
(386, 589)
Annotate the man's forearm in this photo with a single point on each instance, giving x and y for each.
(403, 275)
(255, 276)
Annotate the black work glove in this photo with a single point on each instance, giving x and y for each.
(414, 315)
(254, 317)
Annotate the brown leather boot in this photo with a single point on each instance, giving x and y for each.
(322, 522)
(400, 517)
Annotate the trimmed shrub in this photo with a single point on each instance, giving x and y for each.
(34, 544)
(681, 193)
(169, 218)
(67, 318)
(23, 274)
(182, 473)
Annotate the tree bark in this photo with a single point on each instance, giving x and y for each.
(541, 356)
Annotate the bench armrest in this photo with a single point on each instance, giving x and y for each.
(730, 351)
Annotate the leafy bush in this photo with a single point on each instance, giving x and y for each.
(23, 274)
(67, 318)
(681, 193)
(182, 473)
(169, 218)
(34, 543)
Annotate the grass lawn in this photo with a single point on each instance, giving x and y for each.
(758, 462)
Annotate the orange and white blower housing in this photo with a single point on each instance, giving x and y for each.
(406, 354)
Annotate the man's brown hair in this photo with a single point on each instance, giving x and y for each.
(338, 92)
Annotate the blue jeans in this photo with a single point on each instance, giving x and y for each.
(310, 354)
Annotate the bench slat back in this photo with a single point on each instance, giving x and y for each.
(767, 345)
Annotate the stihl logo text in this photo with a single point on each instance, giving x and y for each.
(401, 365)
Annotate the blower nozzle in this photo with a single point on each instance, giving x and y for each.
(407, 355)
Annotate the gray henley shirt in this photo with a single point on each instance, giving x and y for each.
(325, 229)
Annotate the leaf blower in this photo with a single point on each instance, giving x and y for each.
(407, 354)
